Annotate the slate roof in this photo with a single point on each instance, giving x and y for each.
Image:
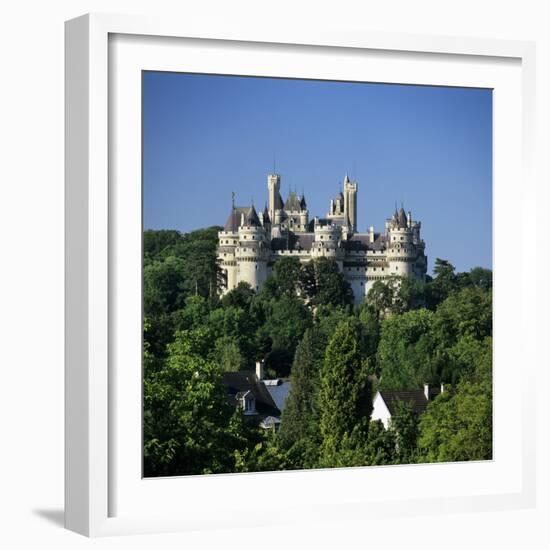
(279, 389)
(252, 217)
(293, 202)
(357, 242)
(241, 381)
(402, 219)
(278, 202)
(234, 220)
(294, 241)
(266, 215)
(416, 397)
(379, 242)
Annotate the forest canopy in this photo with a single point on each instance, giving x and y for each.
(303, 324)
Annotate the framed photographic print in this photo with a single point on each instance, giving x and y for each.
(294, 270)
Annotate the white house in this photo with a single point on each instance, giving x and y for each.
(386, 401)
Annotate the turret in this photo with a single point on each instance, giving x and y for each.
(350, 203)
(327, 242)
(266, 221)
(252, 251)
(401, 250)
(275, 199)
(228, 240)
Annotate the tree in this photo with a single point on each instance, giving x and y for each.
(189, 428)
(442, 285)
(410, 294)
(381, 445)
(285, 326)
(288, 272)
(404, 426)
(380, 298)
(481, 278)
(345, 401)
(240, 296)
(467, 312)
(299, 430)
(458, 424)
(406, 351)
(322, 284)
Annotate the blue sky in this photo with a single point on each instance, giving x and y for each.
(429, 148)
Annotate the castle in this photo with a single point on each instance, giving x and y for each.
(251, 243)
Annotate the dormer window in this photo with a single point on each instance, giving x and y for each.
(247, 402)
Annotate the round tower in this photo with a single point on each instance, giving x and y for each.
(252, 251)
(401, 251)
(228, 240)
(327, 242)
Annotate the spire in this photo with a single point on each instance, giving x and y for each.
(252, 217)
(346, 179)
(266, 215)
(402, 218)
(232, 223)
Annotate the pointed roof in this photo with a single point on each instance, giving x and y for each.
(402, 219)
(278, 202)
(252, 217)
(232, 223)
(292, 202)
(303, 204)
(346, 179)
(234, 220)
(266, 215)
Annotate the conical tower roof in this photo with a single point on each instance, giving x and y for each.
(266, 215)
(252, 217)
(402, 219)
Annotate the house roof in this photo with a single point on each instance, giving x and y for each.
(270, 422)
(279, 389)
(234, 220)
(416, 397)
(238, 383)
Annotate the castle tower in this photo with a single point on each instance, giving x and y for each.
(350, 203)
(274, 194)
(252, 251)
(304, 213)
(228, 240)
(266, 221)
(401, 252)
(327, 241)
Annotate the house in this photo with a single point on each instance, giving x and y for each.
(257, 397)
(385, 402)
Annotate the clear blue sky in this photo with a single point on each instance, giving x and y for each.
(205, 136)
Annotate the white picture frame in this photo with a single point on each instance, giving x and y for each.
(105, 497)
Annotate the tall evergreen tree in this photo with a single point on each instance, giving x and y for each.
(299, 430)
(345, 400)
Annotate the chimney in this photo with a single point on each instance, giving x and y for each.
(427, 391)
(371, 233)
(260, 370)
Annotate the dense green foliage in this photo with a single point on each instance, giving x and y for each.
(303, 324)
